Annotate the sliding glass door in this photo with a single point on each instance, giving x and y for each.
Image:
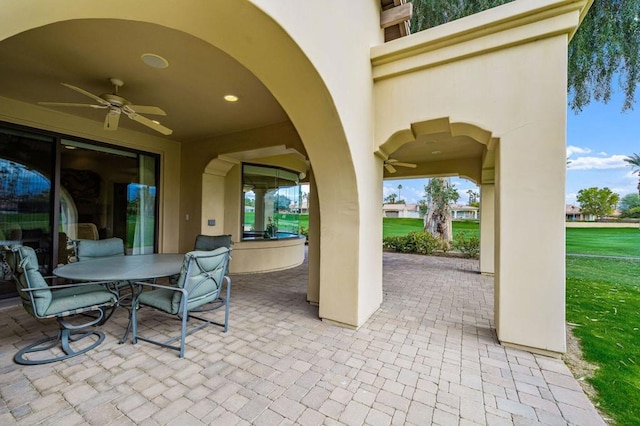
(27, 166)
(78, 189)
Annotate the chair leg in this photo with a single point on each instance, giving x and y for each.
(64, 337)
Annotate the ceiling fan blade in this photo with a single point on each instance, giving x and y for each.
(410, 165)
(150, 123)
(68, 104)
(89, 94)
(145, 109)
(390, 168)
(112, 119)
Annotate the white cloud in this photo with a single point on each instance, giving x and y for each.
(597, 163)
(577, 150)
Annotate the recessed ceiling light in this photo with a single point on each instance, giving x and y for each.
(436, 152)
(154, 61)
(70, 147)
(231, 98)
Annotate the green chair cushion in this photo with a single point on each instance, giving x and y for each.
(81, 298)
(202, 275)
(212, 242)
(92, 249)
(28, 276)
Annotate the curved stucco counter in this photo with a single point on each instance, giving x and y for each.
(266, 255)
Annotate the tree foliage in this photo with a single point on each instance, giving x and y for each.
(630, 205)
(605, 48)
(634, 161)
(599, 202)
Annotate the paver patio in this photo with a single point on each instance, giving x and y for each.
(429, 355)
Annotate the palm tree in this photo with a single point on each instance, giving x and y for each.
(634, 162)
(399, 189)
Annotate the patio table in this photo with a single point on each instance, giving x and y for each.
(123, 268)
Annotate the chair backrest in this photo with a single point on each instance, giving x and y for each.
(212, 242)
(24, 264)
(93, 249)
(87, 231)
(202, 275)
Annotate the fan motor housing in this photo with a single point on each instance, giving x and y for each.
(115, 99)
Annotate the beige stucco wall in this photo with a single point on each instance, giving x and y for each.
(504, 83)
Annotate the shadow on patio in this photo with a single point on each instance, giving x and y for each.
(428, 355)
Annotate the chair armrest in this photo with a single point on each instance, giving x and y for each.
(61, 286)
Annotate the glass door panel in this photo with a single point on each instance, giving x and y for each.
(26, 171)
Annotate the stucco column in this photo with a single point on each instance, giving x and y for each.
(530, 237)
(487, 228)
(313, 254)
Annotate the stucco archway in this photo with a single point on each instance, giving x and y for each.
(440, 147)
(250, 33)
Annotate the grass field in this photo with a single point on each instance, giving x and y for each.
(604, 241)
(603, 298)
(400, 226)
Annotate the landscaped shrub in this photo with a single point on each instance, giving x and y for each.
(413, 242)
(468, 245)
(304, 231)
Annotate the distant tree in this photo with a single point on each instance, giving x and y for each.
(391, 199)
(606, 45)
(634, 161)
(599, 202)
(282, 202)
(473, 198)
(422, 207)
(399, 191)
(440, 194)
(630, 205)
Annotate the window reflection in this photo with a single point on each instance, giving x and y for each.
(271, 200)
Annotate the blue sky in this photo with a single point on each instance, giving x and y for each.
(598, 140)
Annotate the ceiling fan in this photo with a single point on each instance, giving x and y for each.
(391, 163)
(115, 106)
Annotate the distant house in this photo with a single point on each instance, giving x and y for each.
(401, 210)
(463, 212)
(573, 213)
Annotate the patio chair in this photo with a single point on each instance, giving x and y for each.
(94, 249)
(212, 242)
(59, 302)
(199, 289)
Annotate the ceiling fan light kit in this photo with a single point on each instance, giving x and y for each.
(116, 105)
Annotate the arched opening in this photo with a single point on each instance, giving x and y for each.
(247, 34)
(439, 147)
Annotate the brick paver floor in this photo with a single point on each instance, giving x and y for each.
(429, 355)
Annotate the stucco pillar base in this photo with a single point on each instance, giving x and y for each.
(339, 324)
(538, 351)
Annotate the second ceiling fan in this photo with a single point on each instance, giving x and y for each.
(116, 105)
(391, 163)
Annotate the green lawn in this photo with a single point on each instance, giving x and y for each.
(604, 241)
(603, 298)
(400, 226)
